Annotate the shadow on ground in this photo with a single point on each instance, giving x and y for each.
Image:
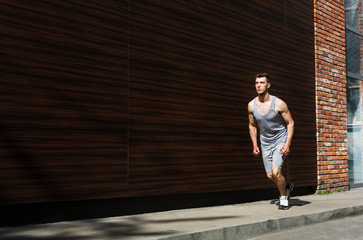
(108, 228)
(293, 202)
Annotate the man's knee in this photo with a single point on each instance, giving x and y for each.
(276, 172)
(270, 176)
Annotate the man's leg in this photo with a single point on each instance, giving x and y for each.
(279, 180)
(273, 161)
(276, 177)
(281, 184)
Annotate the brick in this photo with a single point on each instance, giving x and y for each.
(331, 100)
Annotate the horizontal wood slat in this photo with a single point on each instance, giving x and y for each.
(63, 99)
(300, 91)
(192, 68)
(110, 99)
(53, 165)
(64, 64)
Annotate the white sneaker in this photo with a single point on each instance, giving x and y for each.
(284, 203)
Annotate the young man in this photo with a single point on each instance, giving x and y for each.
(271, 115)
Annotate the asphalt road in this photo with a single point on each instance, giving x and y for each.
(349, 228)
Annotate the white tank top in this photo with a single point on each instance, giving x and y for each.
(272, 126)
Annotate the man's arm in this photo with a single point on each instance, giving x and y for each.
(252, 125)
(281, 107)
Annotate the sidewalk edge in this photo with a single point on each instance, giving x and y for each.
(268, 226)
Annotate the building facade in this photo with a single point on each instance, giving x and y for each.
(353, 25)
(128, 99)
(338, 44)
(330, 74)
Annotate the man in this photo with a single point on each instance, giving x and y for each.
(272, 117)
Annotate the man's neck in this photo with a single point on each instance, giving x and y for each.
(265, 97)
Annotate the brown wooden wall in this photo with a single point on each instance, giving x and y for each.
(113, 99)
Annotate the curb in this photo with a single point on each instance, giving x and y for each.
(246, 231)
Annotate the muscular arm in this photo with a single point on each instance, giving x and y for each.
(252, 125)
(281, 108)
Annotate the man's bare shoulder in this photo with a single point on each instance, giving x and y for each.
(279, 101)
(250, 106)
(280, 105)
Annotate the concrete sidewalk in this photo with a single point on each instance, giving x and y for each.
(239, 221)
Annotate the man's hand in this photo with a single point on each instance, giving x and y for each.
(285, 149)
(256, 151)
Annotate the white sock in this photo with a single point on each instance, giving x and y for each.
(284, 201)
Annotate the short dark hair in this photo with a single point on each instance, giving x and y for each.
(263, 74)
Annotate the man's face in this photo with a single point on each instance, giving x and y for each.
(262, 85)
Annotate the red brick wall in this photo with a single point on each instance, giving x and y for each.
(331, 107)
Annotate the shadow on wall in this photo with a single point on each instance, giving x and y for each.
(21, 214)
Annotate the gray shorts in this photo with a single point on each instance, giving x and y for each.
(272, 156)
